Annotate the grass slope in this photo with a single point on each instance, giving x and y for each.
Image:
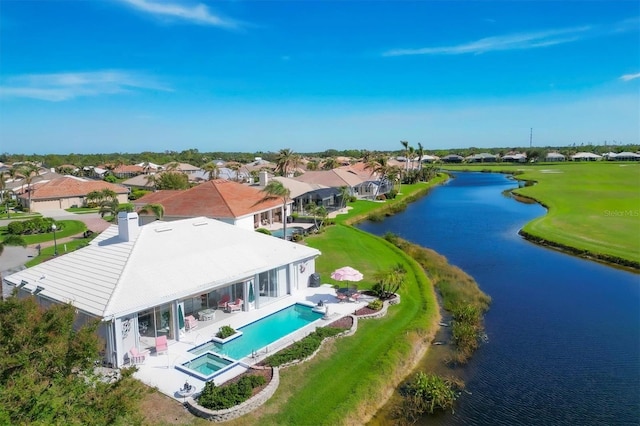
(593, 207)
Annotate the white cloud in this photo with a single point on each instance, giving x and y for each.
(628, 77)
(65, 86)
(506, 42)
(521, 41)
(198, 14)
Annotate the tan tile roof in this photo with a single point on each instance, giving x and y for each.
(72, 187)
(334, 178)
(217, 198)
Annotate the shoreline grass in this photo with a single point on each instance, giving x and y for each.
(593, 209)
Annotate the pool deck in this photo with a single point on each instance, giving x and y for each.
(159, 370)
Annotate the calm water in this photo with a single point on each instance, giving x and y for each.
(263, 332)
(564, 333)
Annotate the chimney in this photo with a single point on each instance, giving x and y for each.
(264, 178)
(128, 227)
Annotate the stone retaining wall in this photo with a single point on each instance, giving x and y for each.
(262, 397)
(239, 410)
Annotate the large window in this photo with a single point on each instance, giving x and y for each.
(155, 322)
(272, 285)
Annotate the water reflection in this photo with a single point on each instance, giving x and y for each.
(564, 332)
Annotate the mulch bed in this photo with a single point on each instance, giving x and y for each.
(366, 311)
(344, 322)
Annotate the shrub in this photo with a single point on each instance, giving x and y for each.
(353, 199)
(225, 331)
(110, 179)
(297, 237)
(427, 393)
(220, 398)
(15, 228)
(392, 194)
(263, 231)
(376, 305)
(381, 197)
(303, 348)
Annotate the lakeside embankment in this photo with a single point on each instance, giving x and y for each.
(593, 209)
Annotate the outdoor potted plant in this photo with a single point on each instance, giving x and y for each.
(226, 333)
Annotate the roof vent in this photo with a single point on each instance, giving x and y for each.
(200, 223)
(163, 229)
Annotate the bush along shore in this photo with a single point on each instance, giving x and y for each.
(426, 392)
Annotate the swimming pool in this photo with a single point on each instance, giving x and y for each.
(263, 332)
(290, 231)
(207, 365)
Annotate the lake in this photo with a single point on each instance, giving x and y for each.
(564, 333)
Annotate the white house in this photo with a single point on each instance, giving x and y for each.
(139, 281)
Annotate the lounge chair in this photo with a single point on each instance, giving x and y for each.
(341, 297)
(222, 303)
(354, 297)
(137, 357)
(237, 306)
(161, 344)
(190, 322)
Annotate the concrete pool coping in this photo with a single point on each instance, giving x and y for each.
(159, 370)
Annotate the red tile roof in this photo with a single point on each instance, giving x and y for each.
(71, 187)
(217, 198)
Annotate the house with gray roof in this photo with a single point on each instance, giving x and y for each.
(139, 281)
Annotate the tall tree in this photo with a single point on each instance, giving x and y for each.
(275, 190)
(286, 161)
(29, 171)
(344, 194)
(405, 144)
(212, 168)
(156, 209)
(420, 155)
(330, 164)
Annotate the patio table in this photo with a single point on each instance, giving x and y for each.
(207, 314)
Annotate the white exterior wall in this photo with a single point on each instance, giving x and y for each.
(244, 223)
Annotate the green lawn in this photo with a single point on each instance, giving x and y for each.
(591, 206)
(69, 228)
(83, 210)
(329, 390)
(63, 248)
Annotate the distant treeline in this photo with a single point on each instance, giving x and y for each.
(197, 158)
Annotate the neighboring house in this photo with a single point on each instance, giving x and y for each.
(586, 156)
(452, 158)
(622, 156)
(483, 157)
(66, 192)
(228, 201)
(124, 171)
(139, 182)
(137, 280)
(429, 158)
(515, 157)
(337, 178)
(555, 156)
(303, 193)
(185, 168)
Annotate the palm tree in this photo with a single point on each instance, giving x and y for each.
(285, 161)
(420, 155)
(156, 209)
(235, 167)
(405, 144)
(330, 164)
(275, 190)
(381, 169)
(345, 193)
(29, 172)
(212, 168)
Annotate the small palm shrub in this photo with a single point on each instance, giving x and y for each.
(376, 305)
(225, 331)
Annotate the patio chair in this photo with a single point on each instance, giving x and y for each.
(237, 306)
(341, 297)
(190, 322)
(161, 344)
(222, 303)
(137, 357)
(354, 297)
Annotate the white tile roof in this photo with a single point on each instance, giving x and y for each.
(166, 261)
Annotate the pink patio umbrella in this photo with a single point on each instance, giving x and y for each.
(347, 273)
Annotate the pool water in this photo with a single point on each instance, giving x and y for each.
(290, 231)
(206, 366)
(263, 332)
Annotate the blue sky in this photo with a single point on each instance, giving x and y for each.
(149, 75)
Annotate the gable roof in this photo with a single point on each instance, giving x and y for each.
(72, 187)
(165, 261)
(296, 187)
(216, 198)
(334, 178)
